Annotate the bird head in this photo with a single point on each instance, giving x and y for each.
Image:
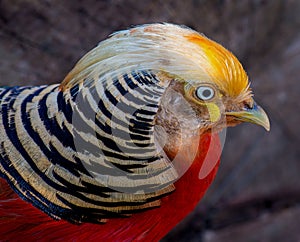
(216, 86)
(205, 88)
(225, 91)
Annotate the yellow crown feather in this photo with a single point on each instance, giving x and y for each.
(177, 50)
(225, 69)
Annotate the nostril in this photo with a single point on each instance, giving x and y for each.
(248, 104)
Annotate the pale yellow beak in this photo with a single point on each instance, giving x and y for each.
(255, 115)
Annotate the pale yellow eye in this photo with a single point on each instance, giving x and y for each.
(205, 93)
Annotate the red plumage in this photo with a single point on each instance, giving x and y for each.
(20, 220)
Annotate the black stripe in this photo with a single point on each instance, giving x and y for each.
(126, 167)
(152, 105)
(120, 87)
(139, 137)
(145, 112)
(103, 109)
(74, 92)
(140, 131)
(64, 106)
(110, 97)
(109, 143)
(146, 126)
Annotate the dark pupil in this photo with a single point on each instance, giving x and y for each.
(206, 93)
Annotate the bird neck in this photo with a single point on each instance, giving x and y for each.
(191, 187)
(154, 224)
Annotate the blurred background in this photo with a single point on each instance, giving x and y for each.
(256, 194)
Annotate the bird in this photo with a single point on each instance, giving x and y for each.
(127, 144)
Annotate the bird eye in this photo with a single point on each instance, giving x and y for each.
(205, 93)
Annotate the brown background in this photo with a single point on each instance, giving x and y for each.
(256, 195)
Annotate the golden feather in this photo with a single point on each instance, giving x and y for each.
(178, 51)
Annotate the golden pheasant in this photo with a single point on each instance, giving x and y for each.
(126, 146)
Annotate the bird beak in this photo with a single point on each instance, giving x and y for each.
(255, 115)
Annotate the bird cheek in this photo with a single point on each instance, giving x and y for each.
(214, 112)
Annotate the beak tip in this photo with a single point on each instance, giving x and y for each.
(267, 127)
(264, 119)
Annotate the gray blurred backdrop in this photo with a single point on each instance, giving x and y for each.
(256, 194)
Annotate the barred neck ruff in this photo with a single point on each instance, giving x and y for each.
(85, 154)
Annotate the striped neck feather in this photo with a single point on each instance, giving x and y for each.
(69, 157)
